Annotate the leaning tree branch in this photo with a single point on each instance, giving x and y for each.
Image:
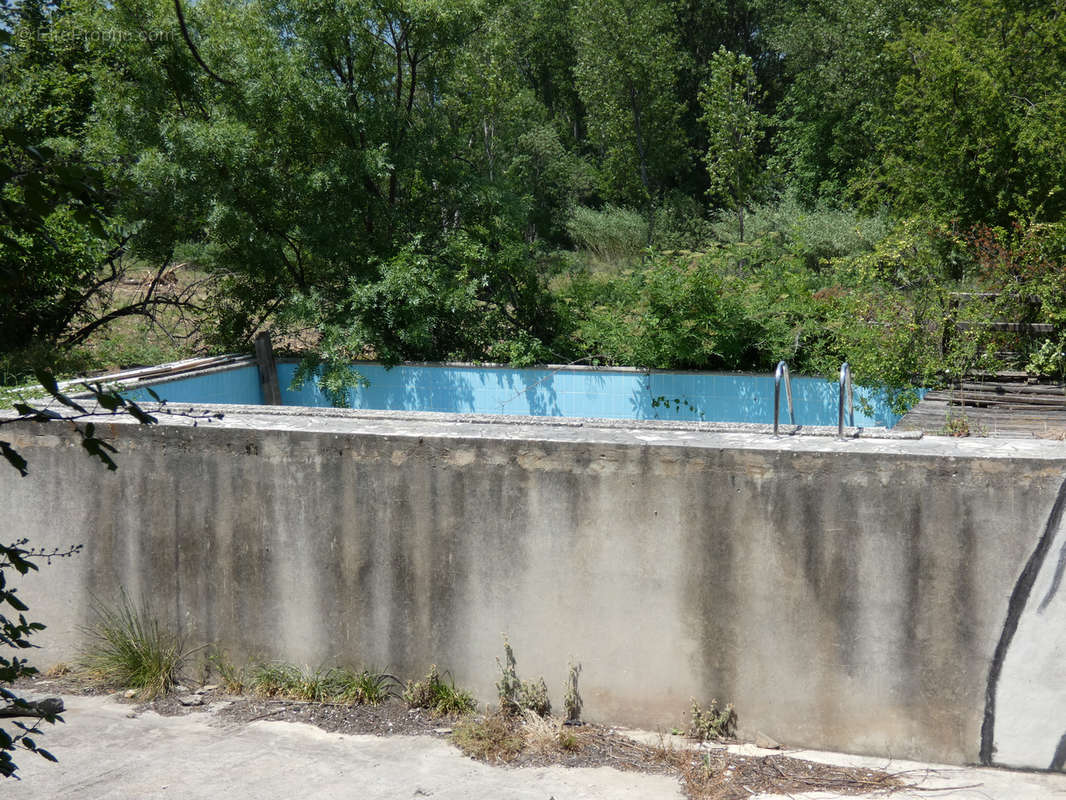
(192, 47)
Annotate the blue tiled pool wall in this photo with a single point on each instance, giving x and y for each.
(237, 386)
(623, 394)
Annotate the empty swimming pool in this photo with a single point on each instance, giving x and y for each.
(612, 393)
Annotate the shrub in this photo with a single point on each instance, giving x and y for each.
(517, 695)
(713, 722)
(613, 235)
(571, 698)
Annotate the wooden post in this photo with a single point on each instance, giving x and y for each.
(268, 370)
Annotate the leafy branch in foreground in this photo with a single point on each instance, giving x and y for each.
(15, 634)
(108, 402)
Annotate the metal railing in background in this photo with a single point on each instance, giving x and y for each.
(845, 387)
(779, 373)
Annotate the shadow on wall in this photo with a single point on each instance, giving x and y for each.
(1025, 707)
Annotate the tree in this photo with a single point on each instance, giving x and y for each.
(978, 132)
(338, 143)
(628, 60)
(15, 633)
(62, 239)
(729, 100)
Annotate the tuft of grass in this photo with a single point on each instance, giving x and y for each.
(128, 648)
(496, 738)
(335, 685)
(365, 687)
(440, 697)
(232, 677)
(275, 679)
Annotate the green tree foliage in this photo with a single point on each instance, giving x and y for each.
(978, 132)
(839, 84)
(626, 73)
(730, 100)
(15, 633)
(63, 234)
(332, 179)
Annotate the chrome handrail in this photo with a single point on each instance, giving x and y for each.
(782, 370)
(845, 381)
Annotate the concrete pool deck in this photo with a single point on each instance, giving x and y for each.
(107, 751)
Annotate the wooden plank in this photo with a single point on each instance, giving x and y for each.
(993, 400)
(268, 370)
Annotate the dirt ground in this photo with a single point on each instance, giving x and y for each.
(705, 772)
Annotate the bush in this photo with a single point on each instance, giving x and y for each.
(495, 738)
(713, 722)
(614, 235)
(679, 311)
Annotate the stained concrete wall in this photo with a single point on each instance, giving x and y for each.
(844, 595)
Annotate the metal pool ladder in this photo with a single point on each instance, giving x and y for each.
(782, 372)
(845, 383)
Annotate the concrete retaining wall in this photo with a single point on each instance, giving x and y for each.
(855, 596)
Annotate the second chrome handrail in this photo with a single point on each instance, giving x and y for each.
(782, 371)
(845, 383)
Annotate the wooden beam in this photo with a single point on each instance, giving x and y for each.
(268, 370)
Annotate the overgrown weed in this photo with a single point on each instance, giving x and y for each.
(713, 722)
(440, 697)
(517, 695)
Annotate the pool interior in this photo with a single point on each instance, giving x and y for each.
(547, 392)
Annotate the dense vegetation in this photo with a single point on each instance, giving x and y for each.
(712, 184)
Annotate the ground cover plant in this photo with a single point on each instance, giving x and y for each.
(331, 685)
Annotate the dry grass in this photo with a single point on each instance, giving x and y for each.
(721, 775)
(495, 739)
(545, 736)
